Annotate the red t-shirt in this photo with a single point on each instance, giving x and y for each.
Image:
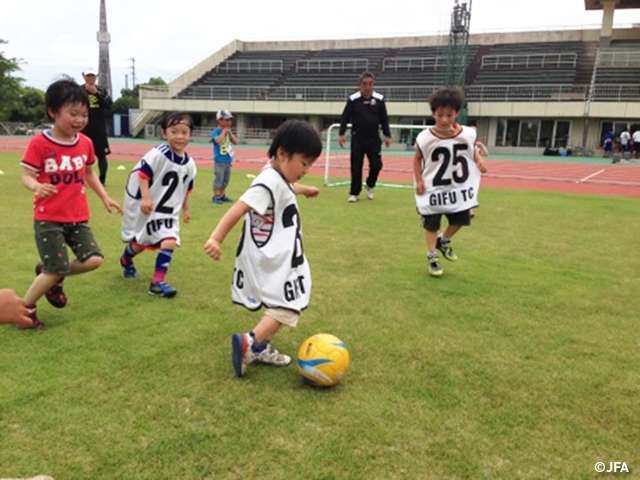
(63, 165)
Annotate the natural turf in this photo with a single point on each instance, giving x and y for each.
(520, 362)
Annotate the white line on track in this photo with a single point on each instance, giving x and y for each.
(584, 179)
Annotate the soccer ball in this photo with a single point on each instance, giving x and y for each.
(323, 360)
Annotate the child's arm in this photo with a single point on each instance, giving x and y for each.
(146, 204)
(220, 138)
(30, 180)
(186, 213)
(484, 151)
(94, 182)
(213, 247)
(306, 190)
(479, 161)
(233, 138)
(417, 171)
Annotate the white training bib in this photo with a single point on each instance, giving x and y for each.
(450, 175)
(170, 178)
(271, 268)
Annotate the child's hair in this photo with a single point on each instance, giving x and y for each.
(446, 97)
(62, 92)
(174, 118)
(296, 136)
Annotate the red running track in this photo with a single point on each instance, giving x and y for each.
(609, 179)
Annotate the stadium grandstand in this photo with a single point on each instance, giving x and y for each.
(526, 91)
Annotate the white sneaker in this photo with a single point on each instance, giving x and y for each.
(269, 356)
(352, 198)
(369, 193)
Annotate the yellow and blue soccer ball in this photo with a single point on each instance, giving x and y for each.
(323, 360)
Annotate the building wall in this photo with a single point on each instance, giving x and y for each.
(586, 118)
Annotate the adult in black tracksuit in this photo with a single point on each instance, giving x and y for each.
(99, 104)
(367, 112)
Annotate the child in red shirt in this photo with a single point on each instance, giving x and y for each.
(57, 166)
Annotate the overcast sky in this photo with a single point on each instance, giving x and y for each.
(167, 37)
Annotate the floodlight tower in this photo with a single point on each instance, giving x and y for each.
(457, 50)
(104, 67)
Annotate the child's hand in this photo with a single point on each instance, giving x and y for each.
(213, 249)
(109, 203)
(482, 166)
(45, 190)
(186, 215)
(13, 309)
(420, 189)
(146, 206)
(311, 192)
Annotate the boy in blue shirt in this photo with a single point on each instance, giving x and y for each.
(222, 138)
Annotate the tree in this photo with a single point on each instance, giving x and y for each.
(30, 106)
(10, 86)
(129, 98)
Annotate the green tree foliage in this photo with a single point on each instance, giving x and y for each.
(10, 86)
(30, 106)
(129, 98)
(17, 102)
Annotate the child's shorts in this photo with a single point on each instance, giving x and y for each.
(52, 239)
(431, 223)
(284, 316)
(222, 174)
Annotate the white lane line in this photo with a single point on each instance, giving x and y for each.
(584, 179)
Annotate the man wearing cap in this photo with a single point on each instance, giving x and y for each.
(222, 138)
(96, 129)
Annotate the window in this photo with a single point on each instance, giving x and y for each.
(529, 133)
(546, 133)
(533, 133)
(507, 133)
(563, 133)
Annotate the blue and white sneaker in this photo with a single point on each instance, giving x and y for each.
(240, 349)
(162, 289)
(269, 356)
(128, 271)
(217, 200)
(226, 199)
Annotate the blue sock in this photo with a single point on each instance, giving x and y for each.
(257, 347)
(127, 255)
(163, 260)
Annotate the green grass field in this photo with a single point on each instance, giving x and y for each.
(522, 361)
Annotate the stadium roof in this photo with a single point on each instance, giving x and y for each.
(620, 4)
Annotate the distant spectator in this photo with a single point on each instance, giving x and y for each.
(96, 129)
(636, 144)
(608, 144)
(222, 138)
(625, 138)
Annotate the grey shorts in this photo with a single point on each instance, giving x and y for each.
(52, 239)
(222, 174)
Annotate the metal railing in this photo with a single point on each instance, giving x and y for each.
(414, 63)
(619, 59)
(474, 93)
(250, 66)
(332, 65)
(528, 60)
